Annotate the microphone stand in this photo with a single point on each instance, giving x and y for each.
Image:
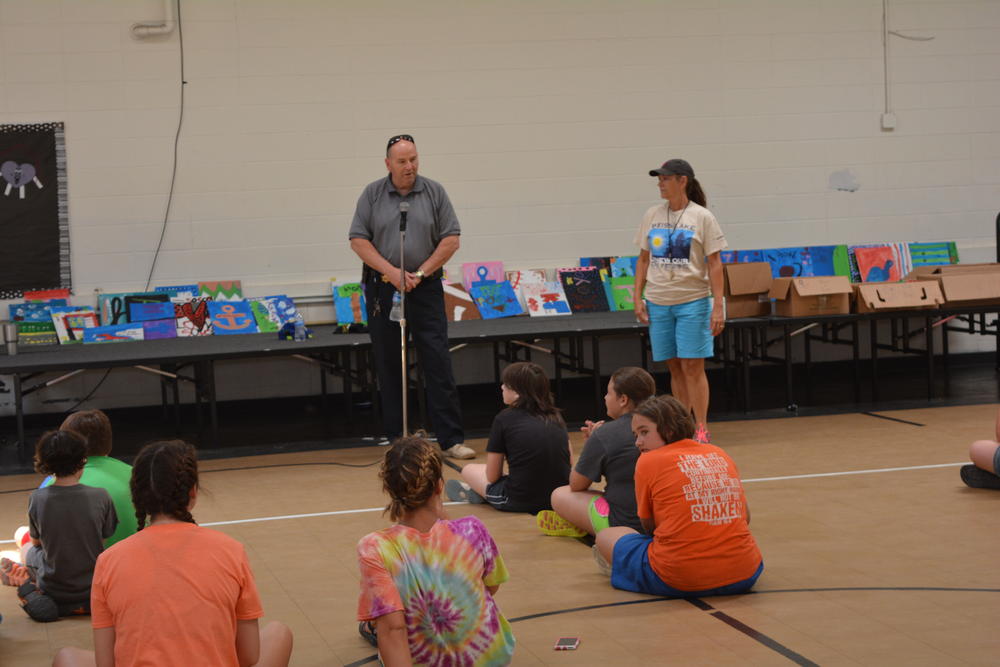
(404, 207)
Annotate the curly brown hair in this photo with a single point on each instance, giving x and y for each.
(94, 426)
(163, 475)
(60, 453)
(673, 420)
(411, 474)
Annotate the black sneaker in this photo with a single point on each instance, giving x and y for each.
(367, 631)
(978, 478)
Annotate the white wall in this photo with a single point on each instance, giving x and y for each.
(541, 117)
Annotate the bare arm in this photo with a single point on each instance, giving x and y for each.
(365, 249)
(578, 482)
(447, 247)
(247, 642)
(718, 319)
(104, 647)
(998, 427)
(641, 268)
(494, 466)
(393, 643)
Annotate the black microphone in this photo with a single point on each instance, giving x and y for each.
(404, 207)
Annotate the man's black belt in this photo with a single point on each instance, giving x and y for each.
(370, 275)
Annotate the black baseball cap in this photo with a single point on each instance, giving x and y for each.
(675, 167)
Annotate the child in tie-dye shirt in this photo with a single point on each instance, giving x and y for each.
(427, 583)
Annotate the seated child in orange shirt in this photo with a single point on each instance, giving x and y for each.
(692, 506)
(176, 593)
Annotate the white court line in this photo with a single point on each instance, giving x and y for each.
(745, 481)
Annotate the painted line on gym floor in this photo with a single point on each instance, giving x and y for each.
(892, 419)
(755, 635)
(745, 481)
(852, 472)
(704, 606)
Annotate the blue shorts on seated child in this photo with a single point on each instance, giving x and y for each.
(631, 571)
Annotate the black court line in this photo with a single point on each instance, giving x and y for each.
(892, 419)
(454, 466)
(755, 635)
(704, 606)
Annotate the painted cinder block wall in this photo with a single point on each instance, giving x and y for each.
(541, 117)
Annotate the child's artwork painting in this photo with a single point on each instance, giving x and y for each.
(744, 256)
(622, 291)
(584, 289)
(921, 254)
(157, 329)
(728, 256)
(179, 291)
(47, 294)
(458, 305)
(111, 308)
(878, 264)
(265, 314)
(70, 321)
(231, 317)
(192, 318)
(284, 306)
(623, 266)
(481, 273)
(519, 279)
(37, 333)
(829, 260)
(606, 283)
(221, 290)
(33, 311)
(544, 299)
(114, 333)
(495, 300)
(142, 307)
(349, 302)
(597, 262)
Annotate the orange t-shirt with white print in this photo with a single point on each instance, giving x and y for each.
(173, 594)
(693, 494)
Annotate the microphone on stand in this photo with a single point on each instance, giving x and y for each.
(404, 207)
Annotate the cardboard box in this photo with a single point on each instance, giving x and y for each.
(796, 297)
(980, 288)
(746, 288)
(917, 295)
(933, 272)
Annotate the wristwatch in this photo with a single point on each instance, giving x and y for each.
(419, 274)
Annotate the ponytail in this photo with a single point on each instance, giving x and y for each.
(695, 193)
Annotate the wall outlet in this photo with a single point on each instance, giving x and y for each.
(888, 121)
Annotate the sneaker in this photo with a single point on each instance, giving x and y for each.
(367, 631)
(602, 564)
(550, 523)
(460, 451)
(461, 492)
(702, 435)
(978, 478)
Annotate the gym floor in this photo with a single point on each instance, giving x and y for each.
(875, 553)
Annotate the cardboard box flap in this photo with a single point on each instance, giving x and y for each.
(779, 288)
(825, 285)
(749, 278)
(971, 286)
(901, 295)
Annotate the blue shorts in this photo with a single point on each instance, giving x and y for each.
(630, 571)
(681, 331)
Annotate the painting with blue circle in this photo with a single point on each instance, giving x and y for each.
(673, 245)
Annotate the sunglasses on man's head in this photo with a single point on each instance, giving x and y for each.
(396, 139)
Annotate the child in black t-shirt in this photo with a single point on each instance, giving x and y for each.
(530, 435)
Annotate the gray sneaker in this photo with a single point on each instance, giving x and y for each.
(460, 451)
(978, 478)
(458, 491)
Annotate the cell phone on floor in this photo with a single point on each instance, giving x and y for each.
(567, 644)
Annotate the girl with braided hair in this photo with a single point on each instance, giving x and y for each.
(427, 582)
(176, 593)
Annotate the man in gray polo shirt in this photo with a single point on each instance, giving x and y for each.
(432, 233)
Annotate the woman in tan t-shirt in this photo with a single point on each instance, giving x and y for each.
(681, 272)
